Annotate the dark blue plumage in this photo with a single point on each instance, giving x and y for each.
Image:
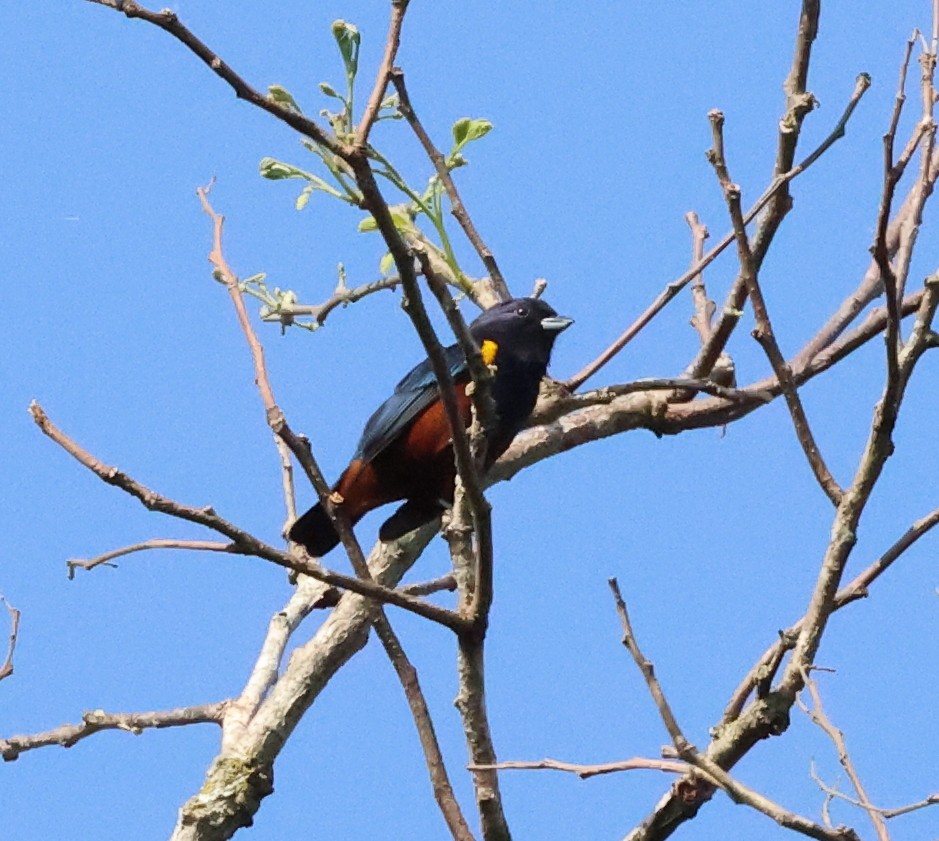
(406, 450)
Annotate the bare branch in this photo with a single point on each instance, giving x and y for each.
(156, 543)
(703, 307)
(733, 306)
(605, 395)
(799, 103)
(719, 336)
(169, 22)
(94, 721)
(714, 774)
(392, 42)
(682, 745)
(443, 173)
(471, 703)
(426, 588)
(765, 668)
(443, 791)
(242, 542)
(266, 670)
(764, 329)
(832, 793)
(820, 717)
(275, 416)
(585, 772)
(6, 668)
(931, 800)
(286, 474)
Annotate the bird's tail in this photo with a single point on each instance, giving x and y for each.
(314, 531)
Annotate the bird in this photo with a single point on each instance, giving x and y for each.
(406, 449)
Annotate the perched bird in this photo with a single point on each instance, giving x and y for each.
(406, 449)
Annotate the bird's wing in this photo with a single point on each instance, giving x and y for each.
(411, 396)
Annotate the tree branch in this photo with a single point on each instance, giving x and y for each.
(443, 791)
(443, 173)
(764, 328)
(765, 668)
(94, 721)
(392, 42)
(820, 717)
(719, 336)
(714, 773)
(703, 306)
(155, 543)
(585, 772)
(6, 668)
(733, 306)
(169, 22)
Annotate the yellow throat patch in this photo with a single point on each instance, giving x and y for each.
(489, 350)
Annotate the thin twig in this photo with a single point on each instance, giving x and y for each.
(274, 414)
(716, 343)
(703, 764)
(436, 768)
(764, 329)
(682, 745)
(585, 772)
(601, 396)
(243, 543)
(820, 717)
(832, 793)
(392, 42)
(169, 22)
(766, 666)
(6, 669)
(94, 721)
(427, 588)
(443, 173)
(156, 543)
(340, 298)
(703, 306)
(733, 305)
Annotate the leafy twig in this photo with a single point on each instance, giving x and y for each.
(443, 173)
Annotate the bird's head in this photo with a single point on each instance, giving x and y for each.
(523, 328)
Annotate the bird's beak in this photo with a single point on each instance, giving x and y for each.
(556, 323)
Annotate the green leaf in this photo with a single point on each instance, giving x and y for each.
(466, 130)
(276, 170)
(329, 90)
(399, 218)
(280, 95)
(304, 196)
(387, 263)
(348, 38)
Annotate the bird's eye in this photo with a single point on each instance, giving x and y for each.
(521, 312)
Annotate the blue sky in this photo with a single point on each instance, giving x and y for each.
(111, 320)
